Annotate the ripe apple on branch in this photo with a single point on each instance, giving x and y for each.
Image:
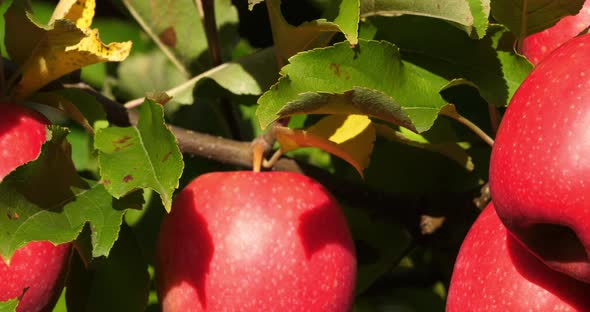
(539, 168)
(37, 270)
(495, 272)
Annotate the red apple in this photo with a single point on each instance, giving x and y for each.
(494, 272)
(246, 241)
(38, 266)
(540, 164)
(537, 46)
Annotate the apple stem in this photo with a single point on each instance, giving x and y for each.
(273, 160)
(260, 146)
(494, 117)
(473, 127)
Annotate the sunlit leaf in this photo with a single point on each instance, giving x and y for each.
(58, 49)
(349, 137)
(9, 305)
(144, 156)
(489, 64)
(371, 79)
(250, 75)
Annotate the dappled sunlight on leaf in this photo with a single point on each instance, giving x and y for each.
(350, 137)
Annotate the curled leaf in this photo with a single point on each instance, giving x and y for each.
(65, 45)
(350, 137)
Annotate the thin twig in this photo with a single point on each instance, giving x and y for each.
(206, 10)
(240, 154)
(207, 13)
(494, 117)
(180, 88)
(473, 127)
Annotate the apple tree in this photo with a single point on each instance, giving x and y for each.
(310, 155)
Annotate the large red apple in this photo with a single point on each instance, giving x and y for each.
(537, 46)
(540, 163)
(38, 266)
(246, 241)
(494, 272)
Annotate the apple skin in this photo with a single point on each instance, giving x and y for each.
(494, 272)
(246, 241)
(40, 266)
(537, 46)
(22, 133)
(539, 167)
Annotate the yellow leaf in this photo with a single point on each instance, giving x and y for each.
(46, 53)
(350, 137)
(81, 12)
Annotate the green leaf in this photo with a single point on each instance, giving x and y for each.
(290, 40)
(469, 15)
(4, 5)
(46, 200)
(538, 14)
(118, 283)
(490, 64)
(177, 26)
(250, 75)
(370, 80)
(144, 156)
(155, 71)
(9, 306)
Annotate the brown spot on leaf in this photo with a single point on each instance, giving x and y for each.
(166, 156)
(106, 182)
(335, 68)
(122, 140)
(9, 215)
(127, 178)
(16, 216)
(168, 37)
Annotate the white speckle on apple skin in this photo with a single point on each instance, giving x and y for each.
(539, 168)
(495, 273)
(284, 248)
(538, 46)
(22, 133)
(38, 265)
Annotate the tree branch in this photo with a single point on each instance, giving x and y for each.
(354, 193)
